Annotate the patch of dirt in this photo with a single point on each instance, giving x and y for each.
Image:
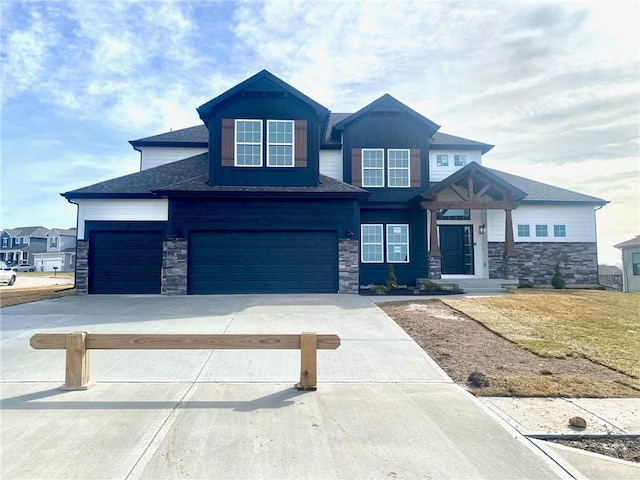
(490, 365)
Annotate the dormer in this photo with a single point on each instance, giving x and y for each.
(385, 149)
(264, 132)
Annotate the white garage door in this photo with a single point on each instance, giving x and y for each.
(49, 263)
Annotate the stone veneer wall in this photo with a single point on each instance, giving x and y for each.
(174, 266)
(536, 262)
(435, 268)
(82, 267)
(348, 266)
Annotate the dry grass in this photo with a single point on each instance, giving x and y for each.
(36, 294)
(601, 326)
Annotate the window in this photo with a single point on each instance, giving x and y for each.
(398, 243)
(459, 160)
(5, 242)
(280, 147)
(442, 160)
(453, 214)
(372, 167)
(398, 161)
(523, 231)
(541, 231)
(248, 143)
(54, 242)
(635, 262)
(559, 231)
(371, 239)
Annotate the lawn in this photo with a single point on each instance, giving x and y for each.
(601, 326)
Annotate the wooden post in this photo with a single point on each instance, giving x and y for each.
(434, 247)
(509, 243)
(308, 362)
(78, 362)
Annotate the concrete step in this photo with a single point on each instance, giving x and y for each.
(476, 285)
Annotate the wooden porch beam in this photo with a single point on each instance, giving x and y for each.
(470, 205)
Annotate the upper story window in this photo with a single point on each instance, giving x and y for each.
(559, 230)
(372, 167)
(54, 242)
(442, 160)
(248, 143)
(5, 242)
(280, 148)
(398, 166)
(459, 160)
(541, 231)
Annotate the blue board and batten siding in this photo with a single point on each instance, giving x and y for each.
(406, 273)
(271, 106)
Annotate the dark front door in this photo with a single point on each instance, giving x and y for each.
(456, 249)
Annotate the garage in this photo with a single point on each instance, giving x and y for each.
(51, 264)
(125, 262)
(263, 262)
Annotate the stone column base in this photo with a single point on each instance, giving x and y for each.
(174, 266)
(82, 267)
(348, 266)
(435, 268)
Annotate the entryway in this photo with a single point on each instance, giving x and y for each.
(456, 249)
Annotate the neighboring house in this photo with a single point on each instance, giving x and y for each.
(19, 245)
(630, 264)
(610, 276)
(277, 194)
(61, 251)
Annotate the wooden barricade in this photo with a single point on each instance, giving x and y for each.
(79, 344)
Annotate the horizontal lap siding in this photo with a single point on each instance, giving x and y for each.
(263, 262)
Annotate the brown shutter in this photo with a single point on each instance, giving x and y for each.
(356, 167)
(301, 143)
(414, 168)
(228, 142)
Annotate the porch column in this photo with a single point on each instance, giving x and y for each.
(174, 266)
(509, 243)
(435, 264)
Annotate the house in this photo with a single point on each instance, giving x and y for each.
(630, 264)
(19, 245)
(274, 193)
(610, 276)
(61, 251)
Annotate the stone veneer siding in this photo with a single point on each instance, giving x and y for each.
(82, 267)
(174, 266)
(435, 268)
(348, 266)
(536, 262)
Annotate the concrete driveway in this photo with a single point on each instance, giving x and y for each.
(383, 408)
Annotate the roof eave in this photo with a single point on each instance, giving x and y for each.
(142, 143)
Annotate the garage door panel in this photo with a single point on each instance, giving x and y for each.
(263, 262)
(125, 262)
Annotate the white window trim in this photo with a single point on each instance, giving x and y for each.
(547, 230)
(518, 230)
(362, 242)
(388, 244)
(236, 143)
(389, 168)
(293, 146)
(370, 168)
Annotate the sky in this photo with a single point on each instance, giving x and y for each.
(555, 86)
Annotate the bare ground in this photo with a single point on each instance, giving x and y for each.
(463, 347)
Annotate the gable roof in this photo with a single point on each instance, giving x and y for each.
(190, 175)
(609, 270)
(31, 232)
(261, 81)
(474, 168)
(64, 231)
(385, 102)
(634, 242)
(538, 192)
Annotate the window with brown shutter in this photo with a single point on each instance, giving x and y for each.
(227, 142)
(415, 168)
(356, 167)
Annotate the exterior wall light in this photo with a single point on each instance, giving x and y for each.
(482, 229)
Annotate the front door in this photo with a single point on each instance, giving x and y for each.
(456, 249)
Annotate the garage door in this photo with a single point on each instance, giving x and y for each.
(49, 263)
(125, 262)
(263, 262)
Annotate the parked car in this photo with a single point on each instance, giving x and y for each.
(6, 274)
(24, 268)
